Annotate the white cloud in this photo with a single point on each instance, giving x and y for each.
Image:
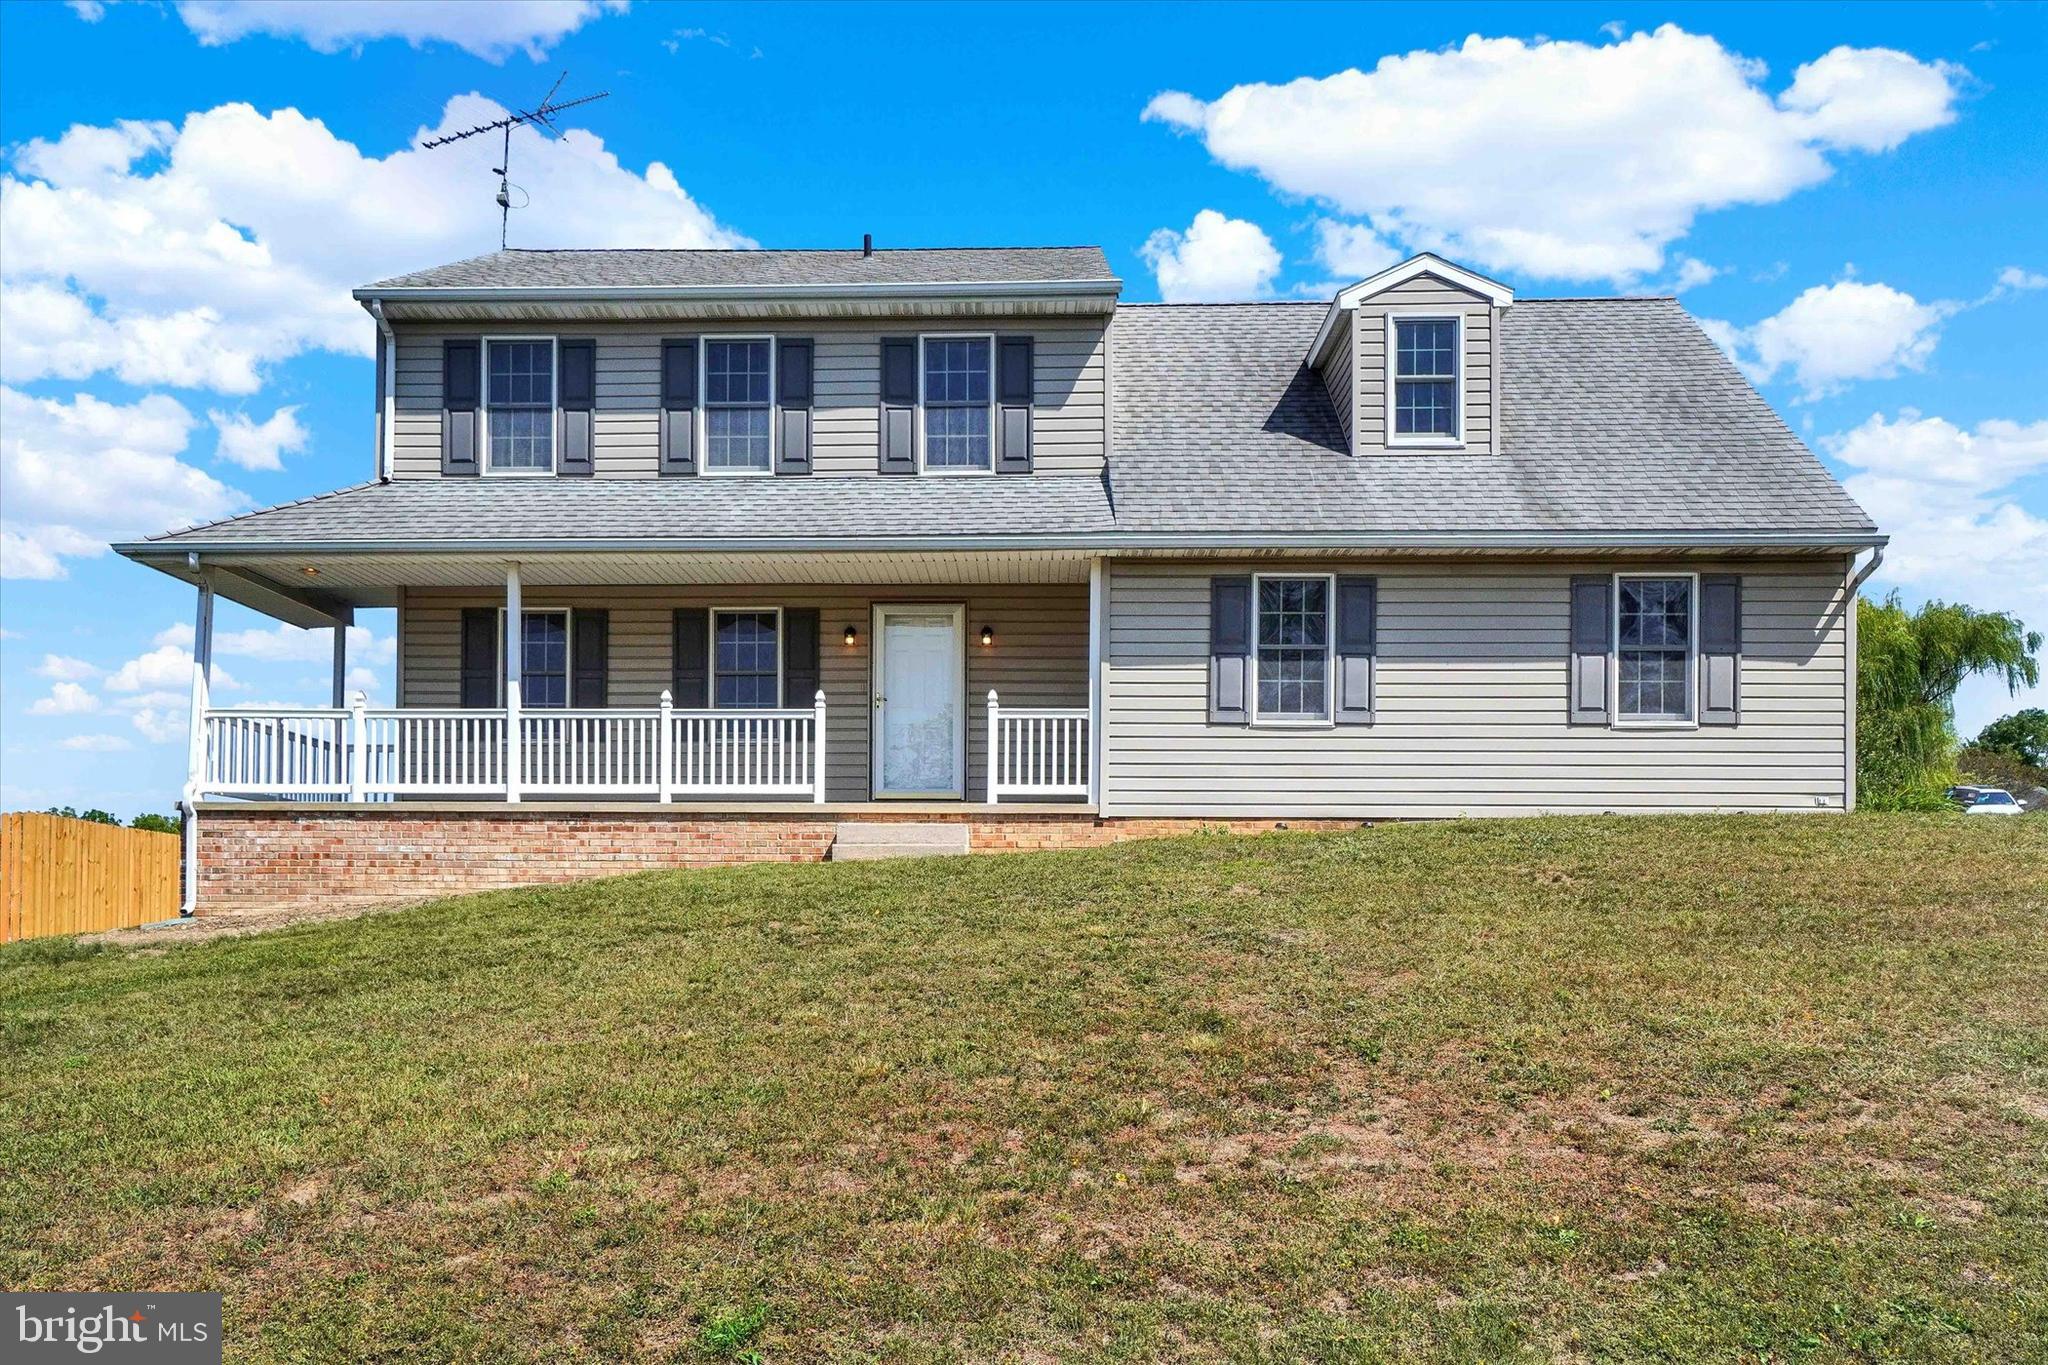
(63, 668)
(92, 11)
(73, 475)
(288, 644)
(200, 253)
(1945, 495)
(1216, 259)
(181, 634)
(1353, 251)
(1833, 334)
(258, 445)
(1693, 272)
(165, 668)
(2015, 278)
(65, 699)
(491, 31)
(95, 744)
(1465, 150)
(1870, 99)
(161, 724)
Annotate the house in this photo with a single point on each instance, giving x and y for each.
(711, 556)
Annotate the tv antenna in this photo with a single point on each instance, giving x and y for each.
(542, 117)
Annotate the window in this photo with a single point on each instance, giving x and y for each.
(520, 393)
(738, 385)
(746, 664)
(1426, 378)
(544, 658)
(1293, 649)
(1654, 643)
(956, 402)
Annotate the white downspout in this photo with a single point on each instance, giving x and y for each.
(514, 616)
(1098, 626)
(386, 438)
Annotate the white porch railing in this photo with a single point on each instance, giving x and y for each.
(365, 754)
(1036, 751)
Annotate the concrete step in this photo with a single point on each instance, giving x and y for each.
(861, 840)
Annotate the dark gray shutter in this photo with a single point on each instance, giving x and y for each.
(799, 656)
(461, 420)
(1230, 651)
(1592, 642)
(679, 406)
(576, 396)
(589, 657)
(1013, 405)
(1358, 601)
(1720, 649)
(793, 410)
(480, 656)
(899, 405)
(690, 676)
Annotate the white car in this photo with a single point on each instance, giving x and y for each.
(1991, 801)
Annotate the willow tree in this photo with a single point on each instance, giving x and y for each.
(1910, 665)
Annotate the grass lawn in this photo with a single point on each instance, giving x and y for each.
(1727, 1088)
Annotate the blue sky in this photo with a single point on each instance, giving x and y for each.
(1854, 199)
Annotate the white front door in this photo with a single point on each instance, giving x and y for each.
(920, 701)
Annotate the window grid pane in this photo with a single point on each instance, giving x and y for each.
(1654, 641)
(1426, 377)
(737, 385)
(957, 382)
(1293, 635)
(521, 398)
(744, 661)
(544, 659)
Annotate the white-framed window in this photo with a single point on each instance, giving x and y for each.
(1292, 640)
(746, 658)
(1656, 641)
(956, 395)
(519, 405)
(543, 657)
(1426, 397)
(738, 384)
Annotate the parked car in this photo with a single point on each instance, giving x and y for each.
(1985, 801)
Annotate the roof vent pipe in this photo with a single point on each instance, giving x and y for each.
(867, 244)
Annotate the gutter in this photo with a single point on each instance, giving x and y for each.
(554, 293)
(1106, 542)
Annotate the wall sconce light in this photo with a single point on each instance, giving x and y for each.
(851, 636)
(988, 636)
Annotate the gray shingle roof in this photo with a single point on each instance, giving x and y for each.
(1619, 416)
(670, 510)
(522, 269)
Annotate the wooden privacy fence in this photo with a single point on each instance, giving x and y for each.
(64, 876)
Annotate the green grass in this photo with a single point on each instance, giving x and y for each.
(1730, 1088)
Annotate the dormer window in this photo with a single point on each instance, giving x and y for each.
(957, 398)
(1425, 381)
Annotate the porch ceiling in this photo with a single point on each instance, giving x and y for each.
(278, 584)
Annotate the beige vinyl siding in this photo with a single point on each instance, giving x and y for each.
(1338, 379)
(1068, 411)
(1425, 295)
(1471, 705)
(1039, 658)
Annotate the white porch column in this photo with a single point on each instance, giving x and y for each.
(513, 612)
(1098, 625)
(195, 759)
(340, 692)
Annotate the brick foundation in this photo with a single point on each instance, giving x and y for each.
(267, 857)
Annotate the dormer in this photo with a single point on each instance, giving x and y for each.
(1411, 359)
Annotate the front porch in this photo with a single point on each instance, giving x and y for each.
(763, 688)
